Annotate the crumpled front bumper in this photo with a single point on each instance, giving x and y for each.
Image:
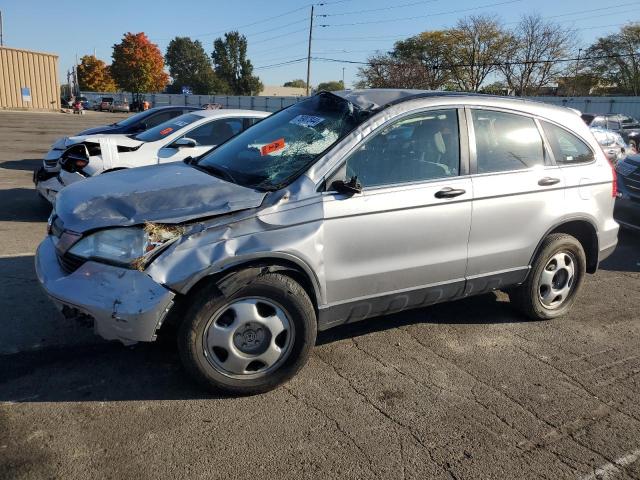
(124, 304)
(49, 188)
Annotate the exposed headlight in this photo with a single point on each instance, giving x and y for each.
(131, 246)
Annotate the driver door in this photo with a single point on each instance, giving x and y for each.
(401, 242)
(206, 136)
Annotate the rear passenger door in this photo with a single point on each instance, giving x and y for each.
(517, 194)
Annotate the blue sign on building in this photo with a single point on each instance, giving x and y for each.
(186, 90)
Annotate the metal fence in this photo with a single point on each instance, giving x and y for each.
(625, 105)
(268, 104)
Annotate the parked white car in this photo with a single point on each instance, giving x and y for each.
(188, 135)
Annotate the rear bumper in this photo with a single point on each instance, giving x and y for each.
(123, 304)
(608, 239)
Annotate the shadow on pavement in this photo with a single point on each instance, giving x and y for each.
(28, 164)
(90, 369)
(23, 205)
(626, 257)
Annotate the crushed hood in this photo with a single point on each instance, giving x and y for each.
(171, 193)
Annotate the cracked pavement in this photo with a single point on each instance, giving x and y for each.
(464, 390)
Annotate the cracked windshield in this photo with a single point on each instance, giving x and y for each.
(276, 150)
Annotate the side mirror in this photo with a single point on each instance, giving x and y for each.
(347, 188)
(184, 142)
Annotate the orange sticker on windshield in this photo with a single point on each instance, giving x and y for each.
(166, 131)
(272, 147)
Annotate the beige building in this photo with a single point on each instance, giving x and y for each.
(275, 91)
(28, 80)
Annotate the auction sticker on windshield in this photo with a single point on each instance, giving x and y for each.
(272, 147)
(166, 131)
(306, 120)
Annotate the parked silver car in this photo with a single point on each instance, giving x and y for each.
(342, 207)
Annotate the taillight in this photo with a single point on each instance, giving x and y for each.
(614, 183)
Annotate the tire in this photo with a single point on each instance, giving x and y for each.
(538, 298)
(213, 320)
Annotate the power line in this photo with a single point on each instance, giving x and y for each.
(387, 20)
(281, 64)
(491, 64)
(357, 12)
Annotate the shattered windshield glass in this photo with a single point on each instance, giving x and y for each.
(272, 153)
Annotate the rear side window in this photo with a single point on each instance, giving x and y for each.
(567, 148)
(506, 141)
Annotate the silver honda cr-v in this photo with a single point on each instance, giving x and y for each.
(339, 208)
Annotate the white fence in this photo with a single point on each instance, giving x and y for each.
(626, 105)
(269, 104)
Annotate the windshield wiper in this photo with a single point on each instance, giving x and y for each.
(214, 170)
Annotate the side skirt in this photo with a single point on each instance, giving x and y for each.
(360, 309)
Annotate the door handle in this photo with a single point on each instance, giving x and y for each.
(548, 181)
(449, 192)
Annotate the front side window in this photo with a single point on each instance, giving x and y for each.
(599, 122)
(270, 154)
(567, 148)
(506, 141)
(216, 132)
(613, 124)
(165, 129)
(417, 148)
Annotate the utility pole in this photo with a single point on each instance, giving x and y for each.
(309, 52)
(343, 86)
(575, 78)
(1, 37)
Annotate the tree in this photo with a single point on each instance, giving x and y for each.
(189, 66)
(94, 75)
(299, 83)
(330, 86)
(416, 62)
(619, 63)
(138, 65)
(477, 45)
(532, 63)
(232, 66)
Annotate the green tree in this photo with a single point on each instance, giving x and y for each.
(232, 66)
(299, 83)
(477, 45)
(619, 64)
(190, 66)
(138, 65)
(94, 75)
(330, 86)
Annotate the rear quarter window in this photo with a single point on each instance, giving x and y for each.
(567, 148)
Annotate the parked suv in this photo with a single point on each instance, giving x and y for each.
(339, 208)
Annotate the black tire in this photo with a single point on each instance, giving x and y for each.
(209, 300)
(527, 296)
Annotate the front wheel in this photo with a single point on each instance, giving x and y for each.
(251, 341)
(554, 280)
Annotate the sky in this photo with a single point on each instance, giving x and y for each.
(277, 30)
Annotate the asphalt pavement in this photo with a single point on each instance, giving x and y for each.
(465, 390)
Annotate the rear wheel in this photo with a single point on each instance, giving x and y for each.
(555, 278)
(251, 341)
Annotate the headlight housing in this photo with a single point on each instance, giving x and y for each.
(133, 247)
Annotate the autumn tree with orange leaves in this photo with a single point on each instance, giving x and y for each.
(94, 75)
(138, 65)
